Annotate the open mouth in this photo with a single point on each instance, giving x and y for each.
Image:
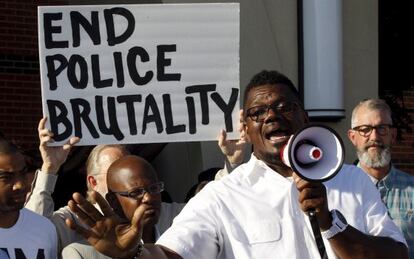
(19, 198)
(277, 136)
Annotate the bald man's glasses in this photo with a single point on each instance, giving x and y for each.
(366, 130)
(259, 113)
(139, 192)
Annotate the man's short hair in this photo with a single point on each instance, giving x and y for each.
(7, 147)
(92, 164)
(271, 78)
(373, 105)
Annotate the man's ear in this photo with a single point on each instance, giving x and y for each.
(351, 136)
(91, 181)
(245, 133)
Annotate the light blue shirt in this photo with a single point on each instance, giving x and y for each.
(397, 192)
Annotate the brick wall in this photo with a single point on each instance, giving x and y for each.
(403, 151)
(20, 95)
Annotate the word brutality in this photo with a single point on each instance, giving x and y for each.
(76, 70)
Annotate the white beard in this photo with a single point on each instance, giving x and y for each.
(377, 160)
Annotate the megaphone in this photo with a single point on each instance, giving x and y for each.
(315, 153)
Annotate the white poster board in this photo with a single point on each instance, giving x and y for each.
(140, 73)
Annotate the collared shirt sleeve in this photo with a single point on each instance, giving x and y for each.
(65, 234)
(194, 231)
(399, 198)
(81, 250)
(40, 199)
(226, 170)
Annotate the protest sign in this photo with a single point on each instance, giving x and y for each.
(140, 73)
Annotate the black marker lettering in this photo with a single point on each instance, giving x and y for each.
(81, 110)
(49, 30)
(91, 28)
(203, 90)
(82, 81)
(191, 115)
(227, 108)
(56, 118)
(96, 74)
(114, 39)
(113, 128)
(170, 128)
(52, 71)
(132, 65)
(155, 117)
(162, 62)
(129, 101)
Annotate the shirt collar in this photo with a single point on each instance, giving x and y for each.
(256, 168)
(387, 178)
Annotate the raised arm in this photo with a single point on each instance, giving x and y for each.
(109, 235)
(40, 199)
(233, 150)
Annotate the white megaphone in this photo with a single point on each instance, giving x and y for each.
(315, 153)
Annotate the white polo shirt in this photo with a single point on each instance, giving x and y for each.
(254, 213)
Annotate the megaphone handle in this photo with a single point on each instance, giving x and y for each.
(317, 233)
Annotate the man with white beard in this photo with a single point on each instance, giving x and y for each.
(372, 134)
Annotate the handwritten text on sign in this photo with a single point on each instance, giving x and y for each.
(140, 73)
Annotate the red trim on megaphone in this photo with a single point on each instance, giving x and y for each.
(316, 154)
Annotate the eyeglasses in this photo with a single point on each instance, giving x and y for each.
(139, 192)
(259, 113)
(365, 130)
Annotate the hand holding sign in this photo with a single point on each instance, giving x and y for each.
(53, 157)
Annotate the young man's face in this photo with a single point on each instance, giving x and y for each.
(269, 129)
(13, 182)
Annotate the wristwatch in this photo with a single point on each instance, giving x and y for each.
(339, 224)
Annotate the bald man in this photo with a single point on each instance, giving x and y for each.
(99, 160)
(132, 181)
